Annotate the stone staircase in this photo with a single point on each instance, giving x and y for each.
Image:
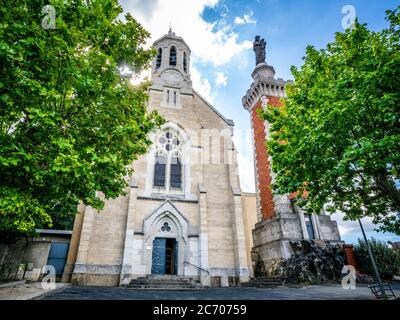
(164, 282)
(264, 282)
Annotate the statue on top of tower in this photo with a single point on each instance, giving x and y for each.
(259, 49)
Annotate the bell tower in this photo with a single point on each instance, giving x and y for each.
(171, 66)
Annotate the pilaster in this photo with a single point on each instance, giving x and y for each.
(203, 239)
(84, 246)
(127, 260)
(74, 244)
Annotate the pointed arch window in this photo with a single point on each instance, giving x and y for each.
(176, 172)
(159, 58)
(159, 170)
(184, 62)
(172, 56)
(168, 168)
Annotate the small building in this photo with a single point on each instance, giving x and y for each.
(31, 258)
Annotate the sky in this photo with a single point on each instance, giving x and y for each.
(220, 35)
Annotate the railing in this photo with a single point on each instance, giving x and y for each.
(387, 291)
(200, 268)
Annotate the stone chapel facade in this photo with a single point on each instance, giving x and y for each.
(183, 213)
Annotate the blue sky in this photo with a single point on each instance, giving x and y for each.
(220, 34)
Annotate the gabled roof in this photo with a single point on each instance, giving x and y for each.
(229, 122)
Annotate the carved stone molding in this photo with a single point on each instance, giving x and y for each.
(172, 77)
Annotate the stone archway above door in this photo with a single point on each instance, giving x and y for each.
(166, 221)
(166, 213)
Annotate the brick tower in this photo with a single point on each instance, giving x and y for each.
(279, 221)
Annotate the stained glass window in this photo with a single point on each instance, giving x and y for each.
(168, 169)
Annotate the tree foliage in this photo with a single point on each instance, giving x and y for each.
(70, 125)
(337, 137)
(387, 259)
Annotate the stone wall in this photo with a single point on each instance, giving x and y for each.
(35, 256)
(271, 237)
(33, 253)
(250, 220)
(11, 255)
(328, 228)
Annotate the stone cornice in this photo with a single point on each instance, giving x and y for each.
(264, 84)
(172, 39)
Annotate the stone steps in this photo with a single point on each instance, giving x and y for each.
(166, 282)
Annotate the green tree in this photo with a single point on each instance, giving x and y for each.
(388, 260)
(337, 137)
(70, 124)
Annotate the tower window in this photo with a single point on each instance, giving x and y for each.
(175, 98)
(172, 56)
(184, 62)
(159, 58)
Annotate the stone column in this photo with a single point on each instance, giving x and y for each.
(303, 224)
(316, 226)
(81, 265)
(203, 243)
(127, 260)
(74, 244)
(242, 270)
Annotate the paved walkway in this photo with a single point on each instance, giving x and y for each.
(20, 290)
(25, 291)
(328, 292)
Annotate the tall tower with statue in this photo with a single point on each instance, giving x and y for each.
(280, 221)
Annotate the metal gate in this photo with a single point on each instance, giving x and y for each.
(58, 256)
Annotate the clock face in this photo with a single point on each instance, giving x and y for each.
(172, 77)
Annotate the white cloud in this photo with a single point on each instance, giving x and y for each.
(209, 42)
(139, 78)
(246, 19)
(352, 227)
(201, 85)
(221, 80)
(246, 173)
(141, 7)
(243, 141)
(239, 20)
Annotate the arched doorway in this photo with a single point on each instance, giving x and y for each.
(167, 245)
(164, 256)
